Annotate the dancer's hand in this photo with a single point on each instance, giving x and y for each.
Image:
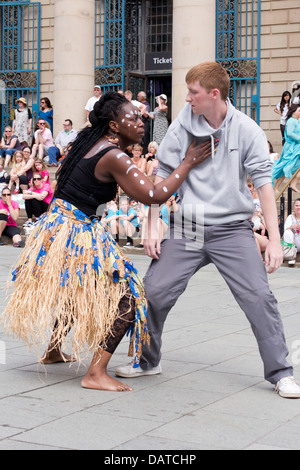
(198, 152)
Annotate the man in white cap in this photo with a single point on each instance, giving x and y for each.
(91, 101)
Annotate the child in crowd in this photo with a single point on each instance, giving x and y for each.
(18, 164)
(128, 223)
(109, 219)
(40, 167)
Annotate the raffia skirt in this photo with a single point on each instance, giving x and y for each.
(72, 274)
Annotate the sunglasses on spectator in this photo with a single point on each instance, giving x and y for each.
(6, 194)
(36, 179)
(42, 123)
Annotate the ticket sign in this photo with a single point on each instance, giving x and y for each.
(155, 61)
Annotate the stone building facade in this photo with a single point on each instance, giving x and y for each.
(67, 53)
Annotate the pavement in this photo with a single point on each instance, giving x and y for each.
(210, 396)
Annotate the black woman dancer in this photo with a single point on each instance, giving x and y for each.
(72, 274)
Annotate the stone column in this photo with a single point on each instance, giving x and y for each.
(193, 42)
(74, 69)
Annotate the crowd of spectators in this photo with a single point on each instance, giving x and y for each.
(25, 155)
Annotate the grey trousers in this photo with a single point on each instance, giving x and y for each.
(233, 250)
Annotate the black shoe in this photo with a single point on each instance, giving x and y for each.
(129, 244)
(139, 246)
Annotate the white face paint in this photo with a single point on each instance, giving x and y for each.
(142, 181)
(136, 175)
(177, 176)
(127, 115)
(165, 189)
(151, 193)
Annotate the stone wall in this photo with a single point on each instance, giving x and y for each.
(47, 48)
(280, 64)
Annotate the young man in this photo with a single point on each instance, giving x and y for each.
(223, 235)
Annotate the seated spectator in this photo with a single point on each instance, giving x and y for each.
(27, 169)
(40, 167)
(9, 213)
(9, 144)
(3, 175)
(37, 198)
(43, 140)
(109, 219)
(152, 161)
(292, 226)
(14, 180)
(66, 136)
(152, 151)
(257, 218)
(138, 159)
(128, 223)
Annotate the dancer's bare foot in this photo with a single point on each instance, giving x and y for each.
(56, 355)
(102, 381)
(97, 377)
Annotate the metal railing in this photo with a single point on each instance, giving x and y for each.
(238, 32)
(20, 30)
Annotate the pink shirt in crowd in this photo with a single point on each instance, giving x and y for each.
(15, 205)
(46, 187)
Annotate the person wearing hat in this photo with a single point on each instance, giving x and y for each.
(160, 119)
(22, 122)
(91, 101)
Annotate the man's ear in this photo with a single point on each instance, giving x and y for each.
(215, 93)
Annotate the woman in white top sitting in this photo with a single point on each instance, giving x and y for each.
(292, 226)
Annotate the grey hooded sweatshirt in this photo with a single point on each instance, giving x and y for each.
(219, 184)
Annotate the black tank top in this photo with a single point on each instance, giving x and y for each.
(83, 189)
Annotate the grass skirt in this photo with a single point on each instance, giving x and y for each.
(72, 274)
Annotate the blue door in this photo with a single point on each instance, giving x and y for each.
(19, 57)
(238, 51)
(109, 44)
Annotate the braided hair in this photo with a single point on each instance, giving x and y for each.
(105, 110)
